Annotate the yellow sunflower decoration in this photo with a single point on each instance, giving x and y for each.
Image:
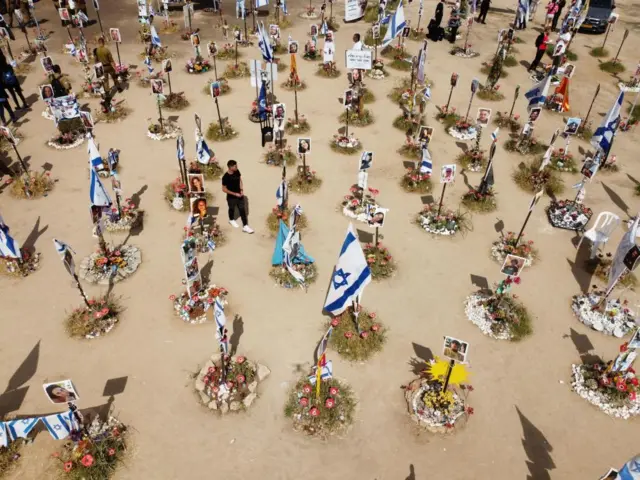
(439, 368)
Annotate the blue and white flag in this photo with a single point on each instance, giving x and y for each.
(98, 196)
(324, 28)
(8, 246)
(494, 134)
(95, 160)
(538, 93)
(264, 44)
(290, 249)
(147, 62)
(203, 153)
(262, 3)
(396, 26)
(385, 20)
(262, 102)
(21, 428)
(282, 193)
(295, 215)
(284, 7)
(218, 313)
(155, 38)
(630, 470)
(426, 165)
(62, 248)
(422, 60)
(4, 440)
(326, 373)
(180, 147)
(603, 136)
(352, 274)
(59, 425)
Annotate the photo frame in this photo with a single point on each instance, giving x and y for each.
(87, 120)
(274, 30)
(590, 167)
(115, 35)
(195, 39)
(157, 86)
(212, 48)
(512, 265)
(377, 217)
(314, 30)
(347, 98)
(329, 36)
(293, 47)
(280, 111)
(483, 116)
(534, 114)
(47, 64)
(98, 69)
(61, 392)
(455, 349)
(425, 135)
(198, 207)
(363, 179)
(215, 89)
(167, 67)
(375, 31)
(366, 159)
(196, 183)
(46, 92)
(569, 70)
(613, 18)
(192, 269)
(572, 126)
(448, 173)
(64, 14)
(406, 31)
(304, 146)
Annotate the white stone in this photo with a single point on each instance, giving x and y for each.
(213, 405)
(204, 397)
(235, 406)
(253, 386)
(249, 399)
(479, 316)
(620, 321)
(200, 385)
(224, 407)
(263, 372)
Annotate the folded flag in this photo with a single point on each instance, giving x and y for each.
(155, 38)
(264, 44)
(94, 155)
(202, 149)
(426, 165)
(218, 313)
(98, 196)
(282, 193)
(4, 440)
(327, 373)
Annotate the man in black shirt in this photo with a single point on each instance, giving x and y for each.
(232, 186)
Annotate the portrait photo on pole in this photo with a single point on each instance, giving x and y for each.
(280, 110)
(347, 98)
(559, 48)
(167, 67)
(455, 349)
(114, 33)
(329, 37)
(189, 250)
(293, 46)
(304, 146)
(192, 269)
(64, 14)
(274, 30)
(196, 183)
(483, 116)
(195, 40)
(366, 159)
(425, 135)
(98, 69)
(613, 18)
(4, 34)
(327, 52)
(448, 173)
(61, 392)
(406, 31)
(573, 123)
(534, 114)
(377, 217)
(215, 89)
(198, 207)
(375, 30)
(46, 92)
(569, 70)
(87, 120)
(512, 266)
(157, 86)
(212, 48)
(314, 30)
(237, 35)
(47, 64)
(590, 167)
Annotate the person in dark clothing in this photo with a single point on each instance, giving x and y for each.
(10, 83)
(4, 105)
(439, 13)
(541, 47)
(556, 17)
(454, 24)
(232, 186)
(484, 9)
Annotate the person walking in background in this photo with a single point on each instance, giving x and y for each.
(484, 9)
(552, 9)
(454, 24)
(556, 17)
(103, 55)
(541, 47)
(232, 186)
(4, 105)
(11, 84)
(439, 13)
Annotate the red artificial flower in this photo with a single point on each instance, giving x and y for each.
(304, 401)
(211, 370)
(470, 410)
(335, 322)
(172, 297)
(240, 378)
(633, 396)
(348, 334)
(624, 347)
(448, 425)
(508, 281)
(329, 403)
(364, 334)
(470, 388)
(87, 460)
(306, 388)
(240, 359)
(631, 370)
(111, 452)
(229, 384)
(215, 389)
(55, 454)
(333, 391)
(516, 280)
(606, 381)
(375, 327)
(372, 315)
(206, 380)
(621, 387)
(314, 412)
(68, 466)
(634, 381)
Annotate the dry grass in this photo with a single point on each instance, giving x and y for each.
(305, 183)
(175, 101)
(530, 180)
(86, 321)
(301, 127)
(474, 201)
(10, 456)
(216, 134)
(37, 185)
(273, 220)
(490, 94)
(599, 52)
(354, 346)
(612, 67)
(241, 71)
(356, 119)
(121, 112)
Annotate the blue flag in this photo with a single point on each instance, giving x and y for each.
(538, 93)
(281, 193)
(155, 38)
(278, 254)
(397, 25)
(262, 102)
(264, 44)
(631, 470)
(8, 246)
(603, 136)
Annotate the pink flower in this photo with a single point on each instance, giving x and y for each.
(229, 384)
(624, 347)
(240, 379)
(633, 396)
(314, 412)
(205, 380)
(375, 327)
(87, 460)
(240, 359)
(211, 370)
(470, 410)
(111, 452)
(306, 388)
(329, 403)
(348, 334)
(372, 315)
(335, 322)
(333, 391)
(364, 334)
(304, 401)
(371, 260)
(215, 389)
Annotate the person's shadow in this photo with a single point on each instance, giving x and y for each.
(412, 473)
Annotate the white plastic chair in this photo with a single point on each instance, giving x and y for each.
(601, 230)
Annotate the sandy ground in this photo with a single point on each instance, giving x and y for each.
(528, 423)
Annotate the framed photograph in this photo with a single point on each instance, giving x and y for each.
(114, 33)
(214, 88)
(329, 37)
(375, 30)
(502, 35)
(512, 266)
(166, 66)
(189, 250)
(455, 349)
(64, 14)
(46, 92)
(377, 217)
(61, 392)
(157, 86)
(195, 40)
(534, 114)
(366, 159)
(406, 31)
(630, 259)
(293, 47)
(274, 30)
(448, 173)
(475, 84)
(280, 111)
(87, 119)
(47, 64)
(196, 183)
(98, 69)
(483, 116)
(590, 167)
(559, 48)
(425, 134)
(314, 30)
(304, 146)
(573, 123)
(7, 134)
(192, 269)
(635, 340)
(212, 49)
(198, 206)
(237, 35)
(327, 52)
(569, 69)
(347, 98)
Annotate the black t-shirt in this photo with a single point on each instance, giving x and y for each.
(232, 182)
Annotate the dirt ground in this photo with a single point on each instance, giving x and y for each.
(527, 422)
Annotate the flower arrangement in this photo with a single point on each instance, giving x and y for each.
(490, 93)
(511, 123)
(276, 157)
(446, 223)
(175, 101)
(600, 267)
(31, 185)
(563, 161)
(96, 452)
(198, 65)
(568, 214)
(448, 116)
(157, 54)
(328, 70)
(356, 203)
(498, 313)
(236, 71)
(473, 160)
(380, 261)
(530, 179)
(165, 131)
(211, 170)
(528, 145)
(610, 165)
(401, 92)
(414, 181)
(305, 181)
(329, 413)
(93, 321)
(478, 201)
(309, 13)
(611, 318)
(205, 233)
(464, 52)
(294, 84)
(13, 267)
(216, 134)
(293, 127)
(408, 121)
(357, 117)
(229, 384)
(616, 393)
(10, 456)
(176, 194)
(359, 342)
(130, 216)
(186, 34)
(626, 124)
(506, 245)
(377, 71)
(254, 114)
(111, 266)
(489, 67)
(224, 86)
(283, 277)
(66, 140)
(144, 78)
(168, 26)
(463, 129)
(113, 111)
(277, 214)
(193, 309)
(228, 52)
(347, 145)
(411, 149)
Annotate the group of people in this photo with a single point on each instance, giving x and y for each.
(9, 84)
(435, 30)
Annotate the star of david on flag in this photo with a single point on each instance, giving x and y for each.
(397, 25)
(631, 470)
(603, 136)
(58, 425)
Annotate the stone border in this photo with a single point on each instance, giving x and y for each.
(461, 135)
(500, 256)
(624, 88)
(351, 143)
(619, 325)
(479, 316)
(424, 224)
(360, 217)
(124, 224)
(412, 394)
(130, 253)
(52, 144)
(171, 131)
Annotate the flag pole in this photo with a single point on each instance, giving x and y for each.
(160, 113)
(515, 97)
(606, 35)
(236, 42)
(445, 385)
(484, 187)
(355, 315)
(82, 294)
(346, 116)
(526, 220)
(624, 37)
(20, 159)
(295, 99)
(215, 68)
(446, 108)
(466, 117)
(169, 80)
(444, 187)
(595, 95)
(219, 117)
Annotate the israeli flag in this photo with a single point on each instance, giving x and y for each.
(94, 155)
(326, 373)
(603, 136)
(59, 425)
(21, 428)
(262, 102)
(155, 38)
(295, 215)
(147, 62)
(262, 3)
(290, 249)
(62, 248)
(397, 24)
(538, 94)
(324, 28)
(351, 275)
(202, 149)
(4, 441)
(631, 470)
(494, 134)
(426, 165)
(98, 196)
(180, 147)
(385, 20)
(8, 246)
(264, 44)
(284, 7)
(218, 314)
(421, 66)
(546, 160)
(281, 193)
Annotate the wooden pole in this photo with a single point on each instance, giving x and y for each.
(446, 108)
(606, 35)
(624, 37)
(160, 113)
(295, 99)
(444, 187)
(219, 117)
(169, 80)
(22, 163)
(82, 294)
(452, 363)
(526, 220)
(515, 97)
(215, 68)
(595, 95)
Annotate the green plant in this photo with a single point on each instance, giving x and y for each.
(368, 37)
(380, 261)
(175, 101)
(411, 150)
(224, 87)
(328, 70)
(404, 122)
(37, 184)
(99, 317)
(508, 314)
(444, 222)
(233, 71)
(486, 70)
(415, 182)
(273, 220)
(599, 52)
(283, 277)
(449, 118)
(10, 456)
(478, 202)
(510, 61)
(359, 343)
(525, 146)
(305, 182)
(530, 179)
(613, 67)
(472, 160)
(211, 170)
(503, 120)
(215, 133)
(368, 96)
(358, 119)
(302, 126)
